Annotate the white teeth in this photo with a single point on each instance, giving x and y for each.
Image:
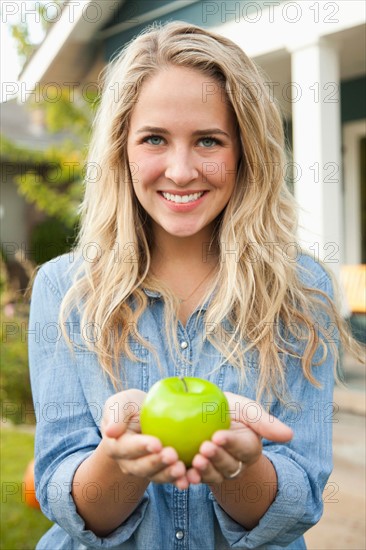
(182, 199)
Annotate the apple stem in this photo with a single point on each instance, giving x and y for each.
(184, 382)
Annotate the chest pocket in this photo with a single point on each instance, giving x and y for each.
(132, 374)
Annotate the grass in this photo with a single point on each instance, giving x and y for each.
(21, 526)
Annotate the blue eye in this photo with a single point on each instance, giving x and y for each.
(209, 141)
(153, 140)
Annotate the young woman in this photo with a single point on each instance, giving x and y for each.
(186, 264)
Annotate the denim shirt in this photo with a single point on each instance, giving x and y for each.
(69, 392)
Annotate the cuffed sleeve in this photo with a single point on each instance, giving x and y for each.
(283, 522)
(67, 429)
(64, 509)
(304, 464)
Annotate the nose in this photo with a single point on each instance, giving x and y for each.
(180, 167)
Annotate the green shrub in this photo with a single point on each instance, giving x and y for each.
(15, 390)
(49, 239)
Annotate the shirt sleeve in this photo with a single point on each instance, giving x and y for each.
(303, 465)
(66, 432)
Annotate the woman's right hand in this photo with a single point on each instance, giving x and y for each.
(138, 454)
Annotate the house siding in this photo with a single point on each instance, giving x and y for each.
(206, 14)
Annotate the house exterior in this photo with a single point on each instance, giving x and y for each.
(314, 56)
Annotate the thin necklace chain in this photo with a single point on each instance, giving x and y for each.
(181, 300)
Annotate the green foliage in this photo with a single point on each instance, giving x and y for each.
(22, 527)
(15, 390)
(61, 203)
(67, 109)
(25, 48)
(54, 180)
(10, 152)
(49, 239)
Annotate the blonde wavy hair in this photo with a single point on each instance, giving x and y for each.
(252, 296)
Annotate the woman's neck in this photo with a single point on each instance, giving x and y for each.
(196, 252)
(186, 266)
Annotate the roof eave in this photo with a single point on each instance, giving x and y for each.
(68, 38)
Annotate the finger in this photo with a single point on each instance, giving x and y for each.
(114, 429)
(194, 476)
(252, 414)
(120, 410)
(205, 469)
(146, 466)
(181, 483)
(175, 470)
(175, 473)
(158, 467)
(131, 446)
(242, 443)
(221, 459)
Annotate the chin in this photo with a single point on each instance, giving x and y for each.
(181, 230)
(183, 234)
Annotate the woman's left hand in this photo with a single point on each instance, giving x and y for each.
(242, 443)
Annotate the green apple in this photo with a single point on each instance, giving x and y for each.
(184, 412)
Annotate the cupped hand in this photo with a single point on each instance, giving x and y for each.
(138, 454)
(221, 456)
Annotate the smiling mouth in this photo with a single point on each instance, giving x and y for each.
(182, 199)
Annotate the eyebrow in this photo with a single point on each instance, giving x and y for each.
(158, 130)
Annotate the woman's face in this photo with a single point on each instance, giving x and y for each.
(183, 151)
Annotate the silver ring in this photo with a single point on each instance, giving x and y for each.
(237, 472)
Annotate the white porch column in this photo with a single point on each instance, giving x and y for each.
(317, 150)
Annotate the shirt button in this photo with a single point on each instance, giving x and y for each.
(184, 345)
(179, 535)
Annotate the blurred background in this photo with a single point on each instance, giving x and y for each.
(52, 53)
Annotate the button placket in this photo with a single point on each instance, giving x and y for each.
(180, 514)
(183, 367)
